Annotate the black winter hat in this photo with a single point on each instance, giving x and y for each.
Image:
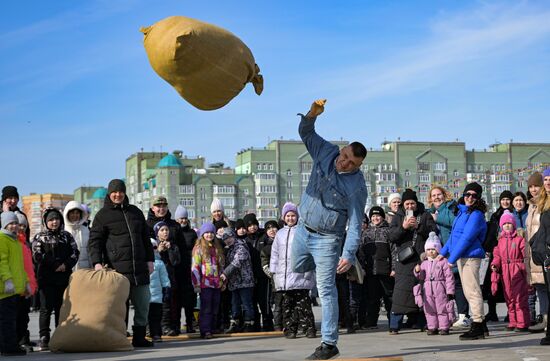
(116, 185)
(409, 194)
(9, 191)
(506, 194)
(474, 186)
(270, 224)
(377, 210)
(250, 219)
(239, 224)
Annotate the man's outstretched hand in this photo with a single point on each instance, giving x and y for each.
(317, 108)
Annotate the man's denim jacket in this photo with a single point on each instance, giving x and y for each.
(331, 199)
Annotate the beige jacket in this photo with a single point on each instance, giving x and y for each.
(535, 275)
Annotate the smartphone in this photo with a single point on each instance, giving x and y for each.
(410, 213)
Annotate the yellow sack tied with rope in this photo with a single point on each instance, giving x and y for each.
(207, 65)
(93, 312)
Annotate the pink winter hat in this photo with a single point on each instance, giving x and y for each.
(507, 217)
(433, 242)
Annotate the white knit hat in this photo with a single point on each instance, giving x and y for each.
(216, 205)
(393, 196)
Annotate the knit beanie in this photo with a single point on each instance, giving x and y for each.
(507, 217)
(220, 224)
(506, 194)
(393, 196)
(9, 191)
(22, 219)
(409, 194)
(535, 179)
(7, 218)
(271, 224)
(181, 212)
(239, 224)
(546, 172)
(250, 219)
(207, 227)
(434, 242)
(216, 205)
(474, 186)
(158, 226)
(116, 185)
(289, 207)
(377, 210)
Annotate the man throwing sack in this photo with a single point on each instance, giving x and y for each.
(335, 197)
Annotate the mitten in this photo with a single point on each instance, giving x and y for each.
(9, 288)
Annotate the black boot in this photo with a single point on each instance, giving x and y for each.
(485, 329)
(138, 338)
(476, 332)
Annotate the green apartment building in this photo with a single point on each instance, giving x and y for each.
(265, 178)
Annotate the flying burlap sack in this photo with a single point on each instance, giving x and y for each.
(207, 65)
(92, 314)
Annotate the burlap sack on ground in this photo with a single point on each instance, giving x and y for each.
(93, 312)
(207, 65)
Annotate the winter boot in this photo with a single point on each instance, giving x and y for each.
(233, 327)
(545, 341)
(476, 332)
(539, 327)
(485, 329)
(138, 338)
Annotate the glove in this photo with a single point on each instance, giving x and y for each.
(9, 288)
(267, 271)
(450, 297)
(166, 294)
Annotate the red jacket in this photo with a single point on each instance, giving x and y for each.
(27, 262)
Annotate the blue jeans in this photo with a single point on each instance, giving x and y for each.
(313, 251)
(242, 297)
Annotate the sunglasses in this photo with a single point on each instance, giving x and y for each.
(468, 194)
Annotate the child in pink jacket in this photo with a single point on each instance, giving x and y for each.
(438, 288)
(509, 262)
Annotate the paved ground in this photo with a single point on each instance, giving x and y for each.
(410, 344)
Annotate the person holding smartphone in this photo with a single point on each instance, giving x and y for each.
(409, 230)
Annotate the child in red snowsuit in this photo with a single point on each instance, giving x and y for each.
(509, 262)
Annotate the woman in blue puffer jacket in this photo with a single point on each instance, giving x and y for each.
(464, 247)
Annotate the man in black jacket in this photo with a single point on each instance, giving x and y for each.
(120, 239)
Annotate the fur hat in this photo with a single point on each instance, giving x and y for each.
(7, 218)
(207, 227)
(271, 224)
(181, 212)
(535, 179)
(216, 205)
(9, 191)
(433, 241)
(474, 186)
(220, 224)
(507, 217)
(289, 207)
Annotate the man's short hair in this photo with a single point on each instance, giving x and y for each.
(358, 150)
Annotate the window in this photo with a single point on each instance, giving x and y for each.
(289, 196)
(259, 166)
(191, 213)
(266, 201)
(407, 184)
(441, 166)
(289, 184)
(441, 178)
(407, 173)
(289, 173)
(246, 191)
(521, 183)
(187, 189)
(456, 173)
(227, 202)
(270, 166)
(423, 166)
(268, 213)
(306, 167)
(224, 189)
(266, 189)
(246, 202)
(423, 177)
(187, 202)
(305, 178)
(265, 166)
(264, 176)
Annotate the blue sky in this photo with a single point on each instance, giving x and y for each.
(78, 96)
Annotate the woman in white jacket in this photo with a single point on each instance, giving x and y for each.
(295, 286)
(75, 216)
